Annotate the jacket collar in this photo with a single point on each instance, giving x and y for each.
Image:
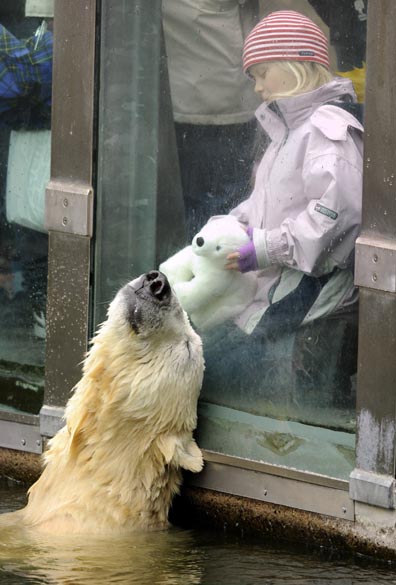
(287, 113)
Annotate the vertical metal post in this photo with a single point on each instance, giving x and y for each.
(373, 480)
(69, 203)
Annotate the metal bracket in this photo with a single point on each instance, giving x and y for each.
(69, 208)
(372, 488)
(21, 437)
(376, 263)
(51, 420)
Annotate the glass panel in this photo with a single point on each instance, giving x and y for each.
(139, 206)
(280, 339)
(280, 379)
(25, 109)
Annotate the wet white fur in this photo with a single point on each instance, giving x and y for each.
(116, 464)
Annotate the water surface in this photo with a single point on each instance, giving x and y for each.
(174, 557)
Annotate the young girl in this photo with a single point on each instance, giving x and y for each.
(304, 213)
(305, 209)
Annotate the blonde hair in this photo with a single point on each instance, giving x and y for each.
(309, 76)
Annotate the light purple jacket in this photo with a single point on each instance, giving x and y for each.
(307, 199)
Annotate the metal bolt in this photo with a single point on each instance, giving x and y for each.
(64, 221)
(374, 278)
(344, 510)
(38, 443)
(375, 258)
(65, 202)
(265, 492)
(23, 441)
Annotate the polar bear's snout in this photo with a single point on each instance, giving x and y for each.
(158, 285)
(153, 284)
(143, 303)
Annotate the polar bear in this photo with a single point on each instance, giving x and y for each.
(116, 464)
(209, 293)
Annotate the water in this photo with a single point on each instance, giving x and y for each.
(174, 557)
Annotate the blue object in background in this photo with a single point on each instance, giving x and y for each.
(25, 79)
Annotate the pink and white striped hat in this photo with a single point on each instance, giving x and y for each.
(285, 36)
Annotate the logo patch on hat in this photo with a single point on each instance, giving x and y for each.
(326, 211)
(306, 53)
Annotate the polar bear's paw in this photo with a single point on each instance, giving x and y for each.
(190, 457)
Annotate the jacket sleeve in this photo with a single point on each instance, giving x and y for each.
(323, 235)
(241, 212)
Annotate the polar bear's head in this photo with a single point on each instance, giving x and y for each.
(147, 305)
(219, 237)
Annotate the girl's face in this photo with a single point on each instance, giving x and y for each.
(270, 80)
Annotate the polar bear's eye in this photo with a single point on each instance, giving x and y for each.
(218, 248)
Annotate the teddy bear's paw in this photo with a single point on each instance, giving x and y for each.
(189, 296)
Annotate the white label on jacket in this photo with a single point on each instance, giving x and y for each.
(326, 211)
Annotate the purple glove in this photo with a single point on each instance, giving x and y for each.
(247, 260)
(249, 231)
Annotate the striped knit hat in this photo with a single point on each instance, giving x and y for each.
(285, 36)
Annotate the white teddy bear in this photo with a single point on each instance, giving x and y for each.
(206, 290)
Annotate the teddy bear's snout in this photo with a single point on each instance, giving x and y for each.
(200, 241)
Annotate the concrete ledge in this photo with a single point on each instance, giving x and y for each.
(20, 465)
(372, 534)
(197, 507)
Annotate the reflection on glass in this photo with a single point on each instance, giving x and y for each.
(213, 105)
(277, 142)
(281, 359)
(25, 108)
(139, 207)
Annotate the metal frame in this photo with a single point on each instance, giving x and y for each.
(69, 204)
(69, 208)
(21, 436)
(373, 480)
(276, 485)
(69, 218)
(20, 431)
